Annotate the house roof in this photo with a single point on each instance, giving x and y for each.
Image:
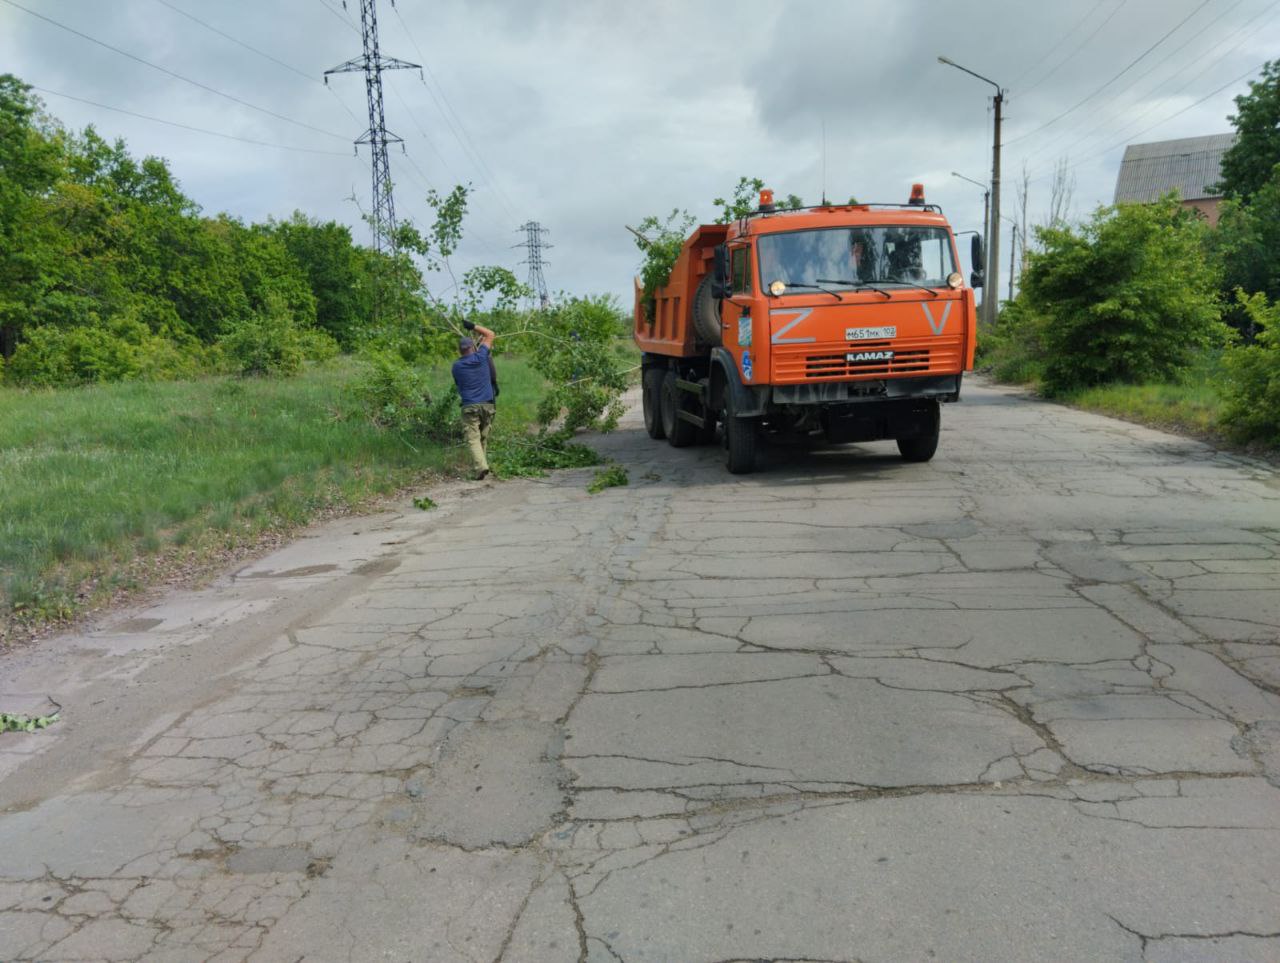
(1189, 166)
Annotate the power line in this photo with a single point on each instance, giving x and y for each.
(1244, 33)
(340, 15)
(261, 53)
(1127, 68)
(1129, 138)
(235, 40)
(1074, 133)
(170, 73)
(199, 130)
(1080, 46)
(450, 116)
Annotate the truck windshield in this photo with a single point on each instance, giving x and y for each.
(856, 256)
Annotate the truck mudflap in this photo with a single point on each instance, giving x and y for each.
(748, 401)
(939, 387)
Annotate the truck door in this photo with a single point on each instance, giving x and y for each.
(738, 334)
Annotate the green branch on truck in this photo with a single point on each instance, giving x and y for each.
(852, 323)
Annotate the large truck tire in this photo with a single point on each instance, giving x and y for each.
(923, 446)
(740, 435)
(651, 402)
(706, 314)
(680, 433)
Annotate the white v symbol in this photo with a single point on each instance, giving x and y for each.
(941, 323)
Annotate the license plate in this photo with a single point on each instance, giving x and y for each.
(870, 334)
(869, 356)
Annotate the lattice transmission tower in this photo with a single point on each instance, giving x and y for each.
(534, 246)
(377, 137)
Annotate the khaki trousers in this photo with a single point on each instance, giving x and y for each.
(476, 422)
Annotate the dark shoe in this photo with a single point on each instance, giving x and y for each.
(481, 476)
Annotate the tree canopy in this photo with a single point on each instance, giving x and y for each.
(1248, 165)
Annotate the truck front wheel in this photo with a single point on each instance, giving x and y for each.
(680, 433)
(651, 401)
(740, 436)
(922, 447)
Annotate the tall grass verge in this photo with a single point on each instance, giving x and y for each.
(1192, 404)
(93, 479)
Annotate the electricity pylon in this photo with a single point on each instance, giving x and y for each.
(534, 246)
(377, 136)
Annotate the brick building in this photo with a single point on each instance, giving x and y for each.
(1190, 166)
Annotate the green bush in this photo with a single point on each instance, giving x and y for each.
(572, 346)
(394, 395)
(267, 342)
(1128, 297)
(1252, 390)
(123, 349)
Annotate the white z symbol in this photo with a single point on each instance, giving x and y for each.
(801, 314)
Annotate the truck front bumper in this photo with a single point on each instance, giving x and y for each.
(939, 387)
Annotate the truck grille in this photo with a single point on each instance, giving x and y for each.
(830, 362)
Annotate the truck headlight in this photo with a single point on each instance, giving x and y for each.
(778, 288)
(955, 279)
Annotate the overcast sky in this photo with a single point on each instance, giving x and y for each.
(586, 115)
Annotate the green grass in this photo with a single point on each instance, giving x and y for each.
(1193, 404)
(94, 478)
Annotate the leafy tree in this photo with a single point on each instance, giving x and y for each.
(1245, 245)
(30, 164)
(742, 201)
(1127, 297)
(1252, 392)
(336, 271)
(793, 203)
(1248, 165)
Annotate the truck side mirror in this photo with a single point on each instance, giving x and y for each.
(720, 273)
(975, 279)
(976, 254)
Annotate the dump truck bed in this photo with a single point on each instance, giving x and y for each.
(667, 327)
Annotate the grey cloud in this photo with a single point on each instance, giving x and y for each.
(590, 114)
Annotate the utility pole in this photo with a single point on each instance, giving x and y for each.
(992, 281)
(534, 246)
(1013, 249)
(372, 63)
(1022, 259)
(994, 276)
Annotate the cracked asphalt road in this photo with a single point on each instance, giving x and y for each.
(1020, 703)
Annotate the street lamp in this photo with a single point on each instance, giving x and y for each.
(986, 213)
(993, 247)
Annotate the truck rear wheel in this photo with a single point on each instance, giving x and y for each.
(740, 436)
(680, 433)
(651, 402)
(923, 446)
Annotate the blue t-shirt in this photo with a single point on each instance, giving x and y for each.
(471, 375)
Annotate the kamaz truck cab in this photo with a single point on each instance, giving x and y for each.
(851, 322)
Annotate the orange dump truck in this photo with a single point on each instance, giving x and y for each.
(850, 323)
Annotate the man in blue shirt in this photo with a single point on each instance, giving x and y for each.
(473, 374)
